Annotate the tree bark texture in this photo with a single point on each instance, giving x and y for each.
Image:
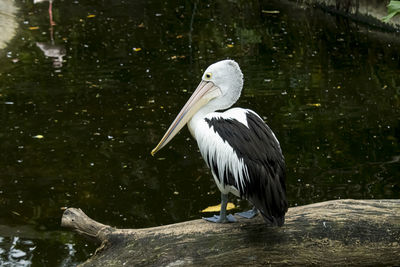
(338, 232)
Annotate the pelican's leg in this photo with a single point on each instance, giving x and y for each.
(248, 214)
(52, 23)
(222, 218)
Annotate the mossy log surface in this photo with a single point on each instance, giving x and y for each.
(338, 232)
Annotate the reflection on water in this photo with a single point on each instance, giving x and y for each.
(55, 51)
(50, 9)
(19, 252)
(16, 255)
(82, 136)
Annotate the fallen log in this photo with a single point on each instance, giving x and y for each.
(338, 232)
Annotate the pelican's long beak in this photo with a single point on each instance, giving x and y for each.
(201, 96)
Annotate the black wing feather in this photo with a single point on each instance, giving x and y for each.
(261, 153)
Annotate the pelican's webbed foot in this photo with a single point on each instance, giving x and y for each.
(248, 214)
(218, 219)
(222, 217)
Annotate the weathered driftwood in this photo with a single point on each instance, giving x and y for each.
(338, 232)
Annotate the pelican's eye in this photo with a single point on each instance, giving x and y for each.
(208, 75)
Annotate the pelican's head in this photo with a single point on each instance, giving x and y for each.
(227, 76)
(220, 88)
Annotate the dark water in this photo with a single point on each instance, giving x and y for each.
(77, 128)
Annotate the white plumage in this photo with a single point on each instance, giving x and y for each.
(213, 147)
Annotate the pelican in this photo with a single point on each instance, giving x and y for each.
(242, 152)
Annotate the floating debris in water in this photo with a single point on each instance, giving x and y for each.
(270, 11)
(177, 57)
(314, 104)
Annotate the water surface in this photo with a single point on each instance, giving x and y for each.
(83, 102)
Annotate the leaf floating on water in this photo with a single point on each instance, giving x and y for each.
(314, 104)
(176, 57)
(217, 208)
(91, 16)
(39, 136)
(34, 28)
